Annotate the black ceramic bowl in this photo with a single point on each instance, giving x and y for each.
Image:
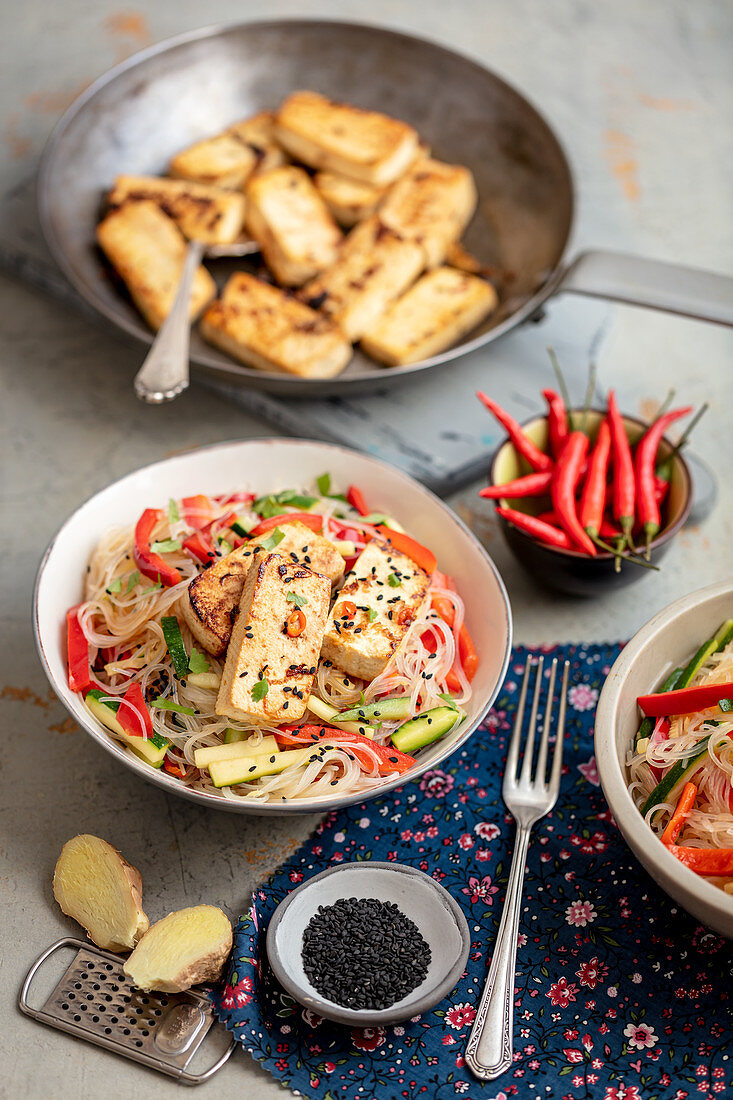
(570, 571)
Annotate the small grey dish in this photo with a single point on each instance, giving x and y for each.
(437, 915)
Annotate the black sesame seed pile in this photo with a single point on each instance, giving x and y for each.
(364, 953)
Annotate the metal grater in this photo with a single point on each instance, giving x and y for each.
(94, 1000)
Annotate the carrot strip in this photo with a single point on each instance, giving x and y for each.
(678, 818)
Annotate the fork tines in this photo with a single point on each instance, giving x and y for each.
(528, 778)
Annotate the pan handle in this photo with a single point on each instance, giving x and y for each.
(637, 281)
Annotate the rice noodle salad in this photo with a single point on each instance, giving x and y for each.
(681, 764)
(272, 648)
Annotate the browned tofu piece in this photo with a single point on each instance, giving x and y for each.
(363, 645)
(202, 213)
(337, 137)
(228, 159)
(292, 224)
(350, 201)
(459, 257)
(432, 203)
(435, 313)
(147, 249)
(268, 329)
(268, 674)
(209, 605)
(374, 267)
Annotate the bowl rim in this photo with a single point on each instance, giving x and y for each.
(370, 1017)
(664, 536)
(612, 772)
(324, 803)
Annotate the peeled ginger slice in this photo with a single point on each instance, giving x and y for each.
(95, 885)
(181, 950)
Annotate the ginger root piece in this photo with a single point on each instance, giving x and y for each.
(96, 886)
(183, 949)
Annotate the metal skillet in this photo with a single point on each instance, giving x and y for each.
(158, 101)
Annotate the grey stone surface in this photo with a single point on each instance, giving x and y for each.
(641, 95)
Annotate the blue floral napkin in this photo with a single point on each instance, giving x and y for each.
(619, 995)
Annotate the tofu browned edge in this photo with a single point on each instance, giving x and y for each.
(210, 603)
(268, 633)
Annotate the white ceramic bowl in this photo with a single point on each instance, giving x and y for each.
(270, 465)
(666, 642)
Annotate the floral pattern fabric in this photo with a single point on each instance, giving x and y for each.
(619, 995)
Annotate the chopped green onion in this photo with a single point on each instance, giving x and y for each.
(260, 690)
(267, 507)
(173, 513)
(272, 540)
(393, 581)
(166, 546)
(324, 484)
(372, 614)
(299, 601)
(168, 704)
(152, 588)
(197, 662)
(115, 586)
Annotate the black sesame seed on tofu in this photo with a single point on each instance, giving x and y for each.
(286, 704)
(253, 768)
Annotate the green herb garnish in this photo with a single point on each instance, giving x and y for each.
(272, 540)
(260, 690)
(197, 662)
(115, 586)
(173, 513)
(134, 578)
(299, 601)
(166, 546)
(393, 581)
(324, 484)
(168, 704)
(372, 614)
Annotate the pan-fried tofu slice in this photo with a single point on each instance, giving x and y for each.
(268, 329)
(147, 249)
(350, 201)
(459, 257)
(337, 137)
(362, 645)
(210, 603)
(268, 674)
(373, 268)
(230, 158)
(202, 213)
(292, 224)
(432, 204)
(436, 312)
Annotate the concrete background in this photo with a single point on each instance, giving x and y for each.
(641, 96)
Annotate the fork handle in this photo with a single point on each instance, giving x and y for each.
(490, 1045)
(164, 374)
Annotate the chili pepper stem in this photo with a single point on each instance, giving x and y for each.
(620, 544)
(589, 391)
(618, 554)
(562, 384)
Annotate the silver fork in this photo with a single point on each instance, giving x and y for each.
(490, 1045)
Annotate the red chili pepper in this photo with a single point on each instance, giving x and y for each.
(684, 700)
(557, 421)
(390, 759)
(537, 459)
(355, 498)
(314, 522)
(624, 487)
(545, 532)
(133, 714)
(680, 815)
(610, 530)
(200, 548)
(661, 488)
(644, 463)
(564, 484)
(196, 510)
(150, 564)
(593, 501)
(420, 554)
(77, 652)
(704, 861)
(532, 485)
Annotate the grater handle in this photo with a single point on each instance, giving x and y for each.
(23, 1003)
(198, 1078)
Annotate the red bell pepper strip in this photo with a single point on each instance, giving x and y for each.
(524, 446)
(314, 522)
(704, 861)
(564, 484)
(133, 714)
(355, 498)
(420, 554)
(150, 564)
(680, 815)
(644, 464)
(466, 650)
(390, 758)
(532, 485)
(200, 548)
(557, 421)
(624, 485)
(174, 768)
(77, 652)
(537, 528)
(593, 500)
(684, 700)
(196, 510)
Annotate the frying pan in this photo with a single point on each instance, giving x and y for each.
(137, 115)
